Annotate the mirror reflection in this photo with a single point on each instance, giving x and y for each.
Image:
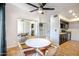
(30, 29)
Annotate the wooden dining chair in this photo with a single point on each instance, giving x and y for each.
(24, 48)
(51, 51)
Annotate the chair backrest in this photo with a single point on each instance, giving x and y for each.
(21, 52)
(51, 51)
(24, 48)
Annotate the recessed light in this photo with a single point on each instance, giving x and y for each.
(70, 11)
(73, 14)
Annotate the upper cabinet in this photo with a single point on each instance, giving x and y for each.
(65, 35)
(64, 24)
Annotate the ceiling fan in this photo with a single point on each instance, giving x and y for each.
(40, 8)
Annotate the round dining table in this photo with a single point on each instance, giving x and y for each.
(38, 43)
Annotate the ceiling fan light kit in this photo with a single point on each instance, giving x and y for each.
(40, 11)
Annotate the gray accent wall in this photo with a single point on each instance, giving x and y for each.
(74, 28)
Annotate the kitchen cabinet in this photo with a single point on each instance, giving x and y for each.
(64, 34)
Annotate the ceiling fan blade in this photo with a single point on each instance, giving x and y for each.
(43, 4)
(34, 10)
(48, 8)
(32, 5)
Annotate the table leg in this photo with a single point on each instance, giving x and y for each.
(40, 52)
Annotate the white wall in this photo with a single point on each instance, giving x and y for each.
(12, 14)
(74, 28)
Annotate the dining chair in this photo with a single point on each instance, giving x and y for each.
(51, 51)
(24, 48)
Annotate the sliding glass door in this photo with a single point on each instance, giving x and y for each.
(2, 30)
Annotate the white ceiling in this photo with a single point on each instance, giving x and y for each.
(60, 8)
